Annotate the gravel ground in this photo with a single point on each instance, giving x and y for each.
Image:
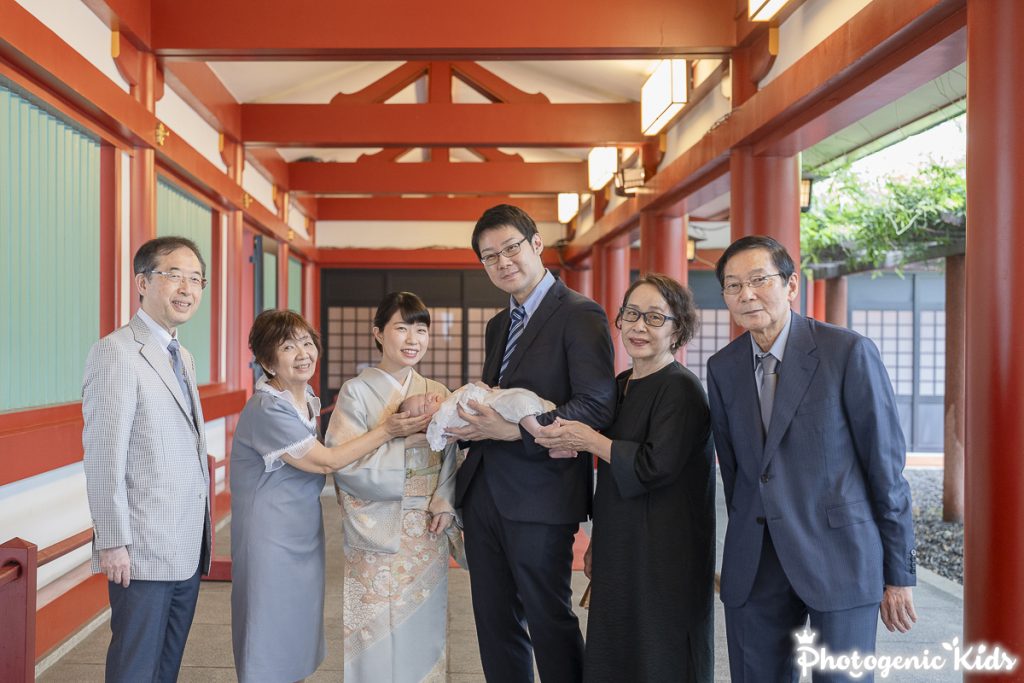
(940, 545)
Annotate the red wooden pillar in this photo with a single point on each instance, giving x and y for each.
(580, 277)
(953, 400)
(146, 82)
(816, 300)
(835, 301)
(237, 350)
(311, 294)
(663, 245)
(994, 515)
(111, 268)
(615, 282)
(282, 275)
(663, 250)
(765, 200)
(18, 605)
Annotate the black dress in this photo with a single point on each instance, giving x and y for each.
(653, 563)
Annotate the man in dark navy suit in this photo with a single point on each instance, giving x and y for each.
(520, 507)
(812, 455)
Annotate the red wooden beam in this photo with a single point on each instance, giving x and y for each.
(130, 17)
(60, 429)
(429, 208)
(491, 86)
(441, 125)
(898, 44)
(202, 89)
(455, 178)
(466, 29)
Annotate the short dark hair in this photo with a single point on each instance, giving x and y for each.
(680, 304)
(412, 308)
(780, 257)
(145, 258)
(501, 215)
(271, 328)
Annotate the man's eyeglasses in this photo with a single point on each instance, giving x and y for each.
(508, 252)
(651, 318)
(177, 278)
(734, 288)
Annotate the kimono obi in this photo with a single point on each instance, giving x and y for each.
(422, 470)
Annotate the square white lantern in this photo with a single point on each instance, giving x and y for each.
(568, 206)
(602, 163)
(663, 95)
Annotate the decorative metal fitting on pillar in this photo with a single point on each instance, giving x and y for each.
(161, 133)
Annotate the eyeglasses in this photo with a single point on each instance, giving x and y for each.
(177, 278)
(651, 318)
(508, 252)
(734, 288)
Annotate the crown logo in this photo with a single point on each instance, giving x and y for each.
(805, 637)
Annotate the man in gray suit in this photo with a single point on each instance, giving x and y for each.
(812, 454)
(145, 467)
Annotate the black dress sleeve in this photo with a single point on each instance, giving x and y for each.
(678, 425)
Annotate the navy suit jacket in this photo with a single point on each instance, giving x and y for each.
(565, 356)
(827, 479)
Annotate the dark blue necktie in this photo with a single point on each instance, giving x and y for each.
(514, 332)
(179, 372)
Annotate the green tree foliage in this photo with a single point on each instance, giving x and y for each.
(895, 220)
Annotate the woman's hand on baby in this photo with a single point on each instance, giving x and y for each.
(440, 522)
(402, 424)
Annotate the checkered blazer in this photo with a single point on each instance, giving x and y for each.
(145, 459)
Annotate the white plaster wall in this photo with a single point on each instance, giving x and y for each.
(810, 24)
(81, 29)
(52, 506)
(190, 127)
(297, 220)
(46, 509)
(585, 218)
(408, 234)
(695, 124)
(261, 189)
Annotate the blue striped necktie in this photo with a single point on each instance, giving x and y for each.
(514, 332)
(179, 372)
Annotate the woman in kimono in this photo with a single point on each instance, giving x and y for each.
(397, 507)
(277, 535)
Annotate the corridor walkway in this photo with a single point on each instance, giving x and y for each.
(208, 655)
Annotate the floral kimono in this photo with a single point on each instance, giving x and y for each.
(396, 572)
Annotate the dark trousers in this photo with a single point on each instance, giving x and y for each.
(760, 632)
(149, 624)
(520, 575)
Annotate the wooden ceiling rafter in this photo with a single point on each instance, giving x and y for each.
(383, 174)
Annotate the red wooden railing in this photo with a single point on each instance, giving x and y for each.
(19, 564)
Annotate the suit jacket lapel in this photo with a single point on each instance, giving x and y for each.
(161, 362)
(548, 305)
(496, 349)
(745, 408)
(795, 374)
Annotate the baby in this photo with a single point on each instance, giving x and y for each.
(521, 406)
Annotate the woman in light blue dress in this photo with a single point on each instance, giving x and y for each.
(278, 471)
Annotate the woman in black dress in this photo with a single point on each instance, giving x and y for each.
(652, 555)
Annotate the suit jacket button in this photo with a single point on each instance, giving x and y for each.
(760, 520)
(765, 478)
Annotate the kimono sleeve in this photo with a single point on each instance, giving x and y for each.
(277, 431)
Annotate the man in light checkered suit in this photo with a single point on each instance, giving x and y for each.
(145, 467)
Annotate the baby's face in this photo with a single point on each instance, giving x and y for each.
(421, 404)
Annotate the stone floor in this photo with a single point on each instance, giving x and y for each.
(208, 656)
